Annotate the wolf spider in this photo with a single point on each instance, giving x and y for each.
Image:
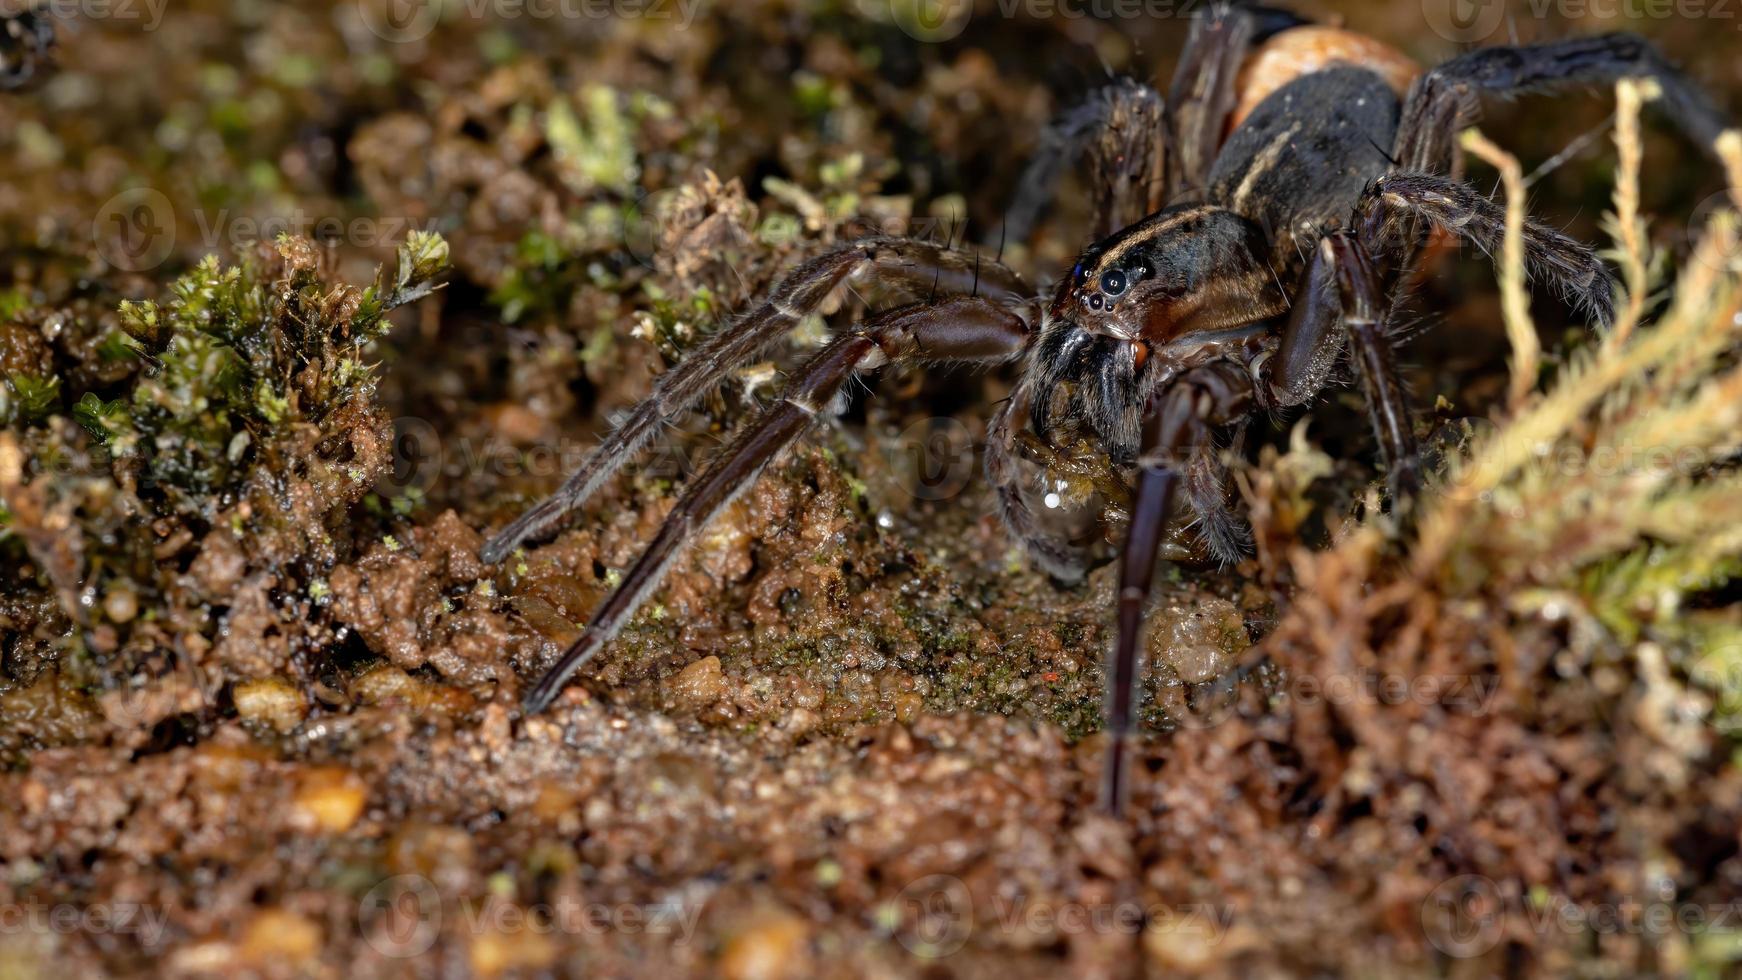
(1235, 276)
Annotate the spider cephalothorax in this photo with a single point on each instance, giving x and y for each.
(1257, 229)
(1179, 289)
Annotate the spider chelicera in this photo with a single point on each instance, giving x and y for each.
(1256, 244)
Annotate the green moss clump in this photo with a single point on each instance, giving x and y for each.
(219, 465)
(233, 353)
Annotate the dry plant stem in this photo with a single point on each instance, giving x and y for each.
(1730, 151)
(1696, 326)
(1515, 303)
(1629, 228)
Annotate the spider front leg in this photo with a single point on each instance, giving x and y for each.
(1341, 303)
(1394, 206)
(1345, 299)
(1138, 156)
(1178, 426)
(970, 329)
(874, 265)
(1120, 132)
(1446, 101)
(1203, 92)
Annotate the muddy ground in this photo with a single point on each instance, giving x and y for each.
(258, 696)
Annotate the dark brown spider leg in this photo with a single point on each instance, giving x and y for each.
(878, 265)
(1447, 99)
(961, 329)
(1341, 298)
(1202, 94)
(1311, 344)
(1204, 485)
(1177, 425)
(1363, 317)
(1343, 301)
(1121, 134)
(1387, 222)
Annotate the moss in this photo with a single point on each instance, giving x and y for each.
(533, 284)
(594, 147)
(227, 359)
(28, 398)
(13, 302)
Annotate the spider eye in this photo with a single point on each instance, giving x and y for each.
(1113, 282)
(1144, 269)
(1094, 301)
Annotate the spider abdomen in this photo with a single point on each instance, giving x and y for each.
(1302, 51)
(1299, 163)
